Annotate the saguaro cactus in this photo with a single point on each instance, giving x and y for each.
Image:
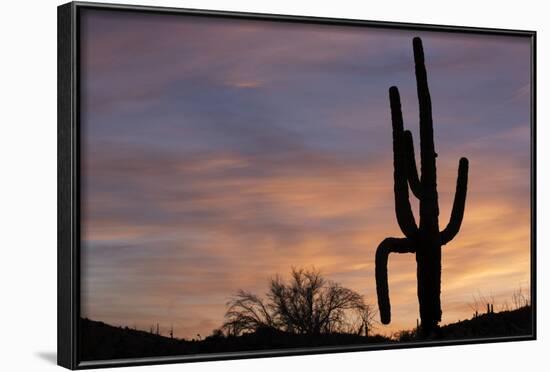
(424, 239)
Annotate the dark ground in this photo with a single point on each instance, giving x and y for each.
(100, 341)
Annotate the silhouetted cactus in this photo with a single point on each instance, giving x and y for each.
(425, 239)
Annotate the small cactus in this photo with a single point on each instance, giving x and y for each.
(425, 239)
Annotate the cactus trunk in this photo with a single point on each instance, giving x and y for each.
(426, 239)
(428, 253)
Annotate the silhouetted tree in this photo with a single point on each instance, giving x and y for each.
(424, 239)
(367, 321)
(307, 304)
(246, 313)
(217, 333)
(481, 300)
(519, 299)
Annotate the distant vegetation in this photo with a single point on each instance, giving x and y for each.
(503, 324)
(100, 341)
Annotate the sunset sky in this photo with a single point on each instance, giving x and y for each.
(217, 153)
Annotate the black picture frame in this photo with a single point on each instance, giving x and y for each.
(69, 183)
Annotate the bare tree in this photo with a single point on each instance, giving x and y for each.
(505, 306)
(520, 299)
(246, 313)
(481, 302)
(368, 316)
(307, 304)
(475, 306)
(362, 321)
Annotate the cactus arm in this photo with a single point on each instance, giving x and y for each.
(459, 203)
(388, 245)
(403, 210)
(412, 172)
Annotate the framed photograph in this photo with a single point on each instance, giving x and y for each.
(235, 185)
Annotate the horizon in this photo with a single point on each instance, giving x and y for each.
(165, 331)
(217, 153)
(509, 306)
